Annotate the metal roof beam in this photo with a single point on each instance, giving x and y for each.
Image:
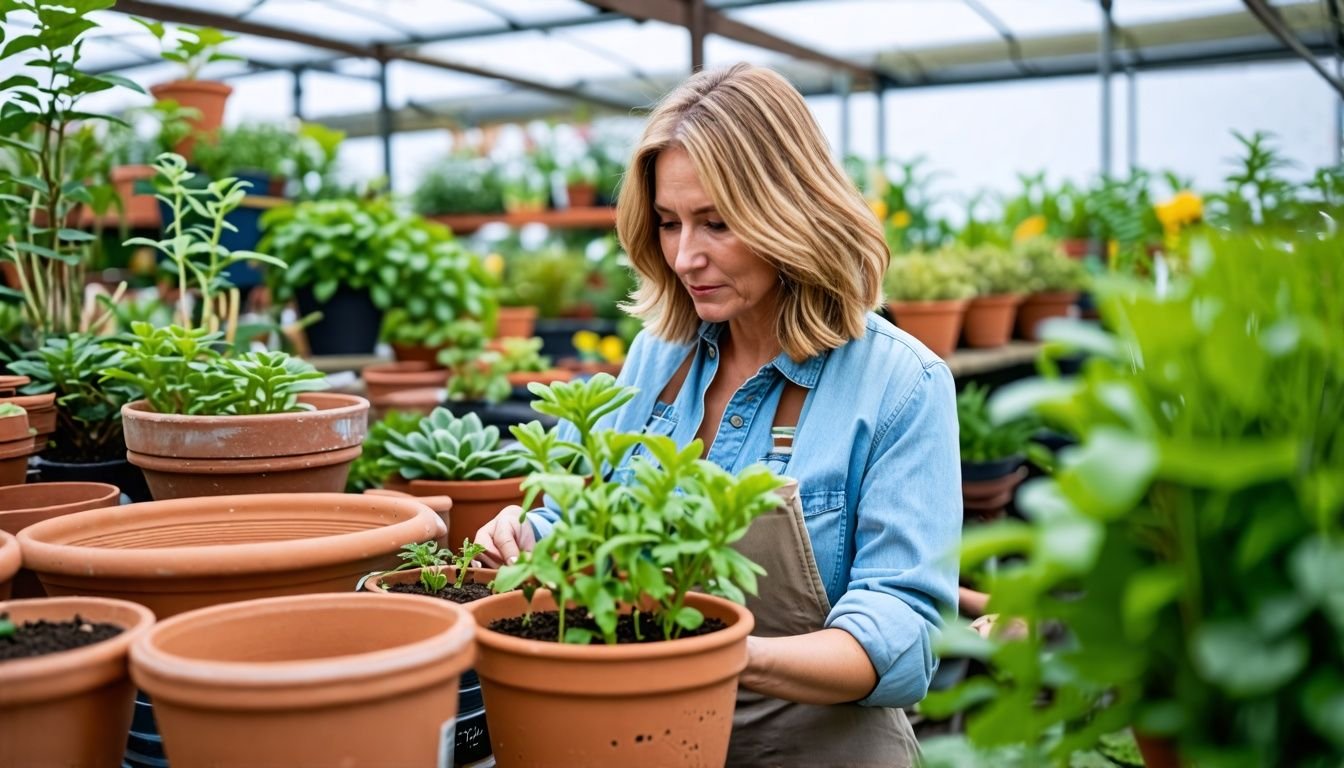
(380, 53)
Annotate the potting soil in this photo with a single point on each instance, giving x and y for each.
(39, 638)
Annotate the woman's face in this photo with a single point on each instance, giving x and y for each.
(723, 277)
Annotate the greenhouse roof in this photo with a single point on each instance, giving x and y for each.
(469, 62)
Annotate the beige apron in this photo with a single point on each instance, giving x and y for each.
(791, 600)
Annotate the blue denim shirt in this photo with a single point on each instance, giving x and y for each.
(876, 457)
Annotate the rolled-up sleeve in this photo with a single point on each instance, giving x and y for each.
(906, 537)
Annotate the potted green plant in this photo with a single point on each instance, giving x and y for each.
(442, 284)
(460, 458)
(1187, 555)
(523, 364)
(581, 182)
(463, 182)
(657, 656)
(193, 48)
(1053, 282)
(259, 153)
(1000, 276)
(992, 454)
(67, 689)
(927, 295)
(367, 472)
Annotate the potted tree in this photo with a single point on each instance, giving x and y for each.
(1000, 276)
(459, 458)
(927, 295)
(1054, 282)
(193, 48)
(628, 559)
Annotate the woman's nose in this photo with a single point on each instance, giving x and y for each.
(690, 253)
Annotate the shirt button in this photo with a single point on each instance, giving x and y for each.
(713, 353)
(736, 421)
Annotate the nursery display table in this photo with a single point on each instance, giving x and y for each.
(334, 363)
(599, 217)
(972, 362)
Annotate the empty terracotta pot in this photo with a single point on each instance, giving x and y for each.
(10, 562)
(326, 680)
(417, 353)
(206, 96)
(599, 706)
(174, 556)
(989, 320)
(1039, 306)
(73, 707)
(475, 502)
(23, 505)
(384, 379)
(16, 445)
(515, 322)
(9, 384)
(302, 452)
(935, 323)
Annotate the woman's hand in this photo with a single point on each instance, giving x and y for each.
(824, 667)
(504, 537)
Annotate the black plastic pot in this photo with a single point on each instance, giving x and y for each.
(118, 472)
(556, 334)
(144, 745)
(349, 325)
(472, 738)
(979, 471)
(502, 415)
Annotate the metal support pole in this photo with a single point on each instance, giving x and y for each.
(298, 92)
(842, 84)
(880, 93)
(699, 18)
(1107, 49)
(1339, 112)
(1132, 119)
(385, 120)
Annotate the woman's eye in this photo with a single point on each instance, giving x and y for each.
(717, 226)
(668, 225)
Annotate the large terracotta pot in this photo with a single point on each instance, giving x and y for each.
(385, 379)
(321, 680)
(71, 708)
(207, 96)
(23, 505)
(1040, 306)
(475, 502)
(11, 560)
(597, 706)
(303, 452)
(989, 320)
(515, 322)
(174, 556)
(935, 323)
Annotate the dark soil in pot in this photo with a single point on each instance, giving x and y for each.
(470, 592)
(545, 626)
(39, 638)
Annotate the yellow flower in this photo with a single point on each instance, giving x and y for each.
(1030, 228)
(1181, 211)
(494, 264)
(879, 208)
(585, 341)
(900, 219)
(612, 349)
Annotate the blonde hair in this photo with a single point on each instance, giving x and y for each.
(766, 165)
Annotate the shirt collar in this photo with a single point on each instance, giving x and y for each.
(805, 373)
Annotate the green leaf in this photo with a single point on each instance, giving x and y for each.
(1109, 474)
(1232, 655)
(1148, 592)
(689, 618)
(75, 235)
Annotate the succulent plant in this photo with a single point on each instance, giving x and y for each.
(929, 277)
(1048, 269)
(445, 447)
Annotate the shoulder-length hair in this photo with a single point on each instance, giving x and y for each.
(766, 165)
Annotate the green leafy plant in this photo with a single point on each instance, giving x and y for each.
(470, 550)
(984, 440)
(475, 373)
(428, 558)
(315, 164)
(910, 198)
(264, 148)
(929, 277)
(88, 425)
(616, 546)
(995, 270)
(461, 183)
(191, 47)
(367, 471)
(519, 355)
(1048, 269)
(445, 447)
(1188, 553)
(41, 192)
(125, 146)
(181, 371)
(329, 244)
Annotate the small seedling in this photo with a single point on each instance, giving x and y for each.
(462, 562)
(426, 556)
(7, 628)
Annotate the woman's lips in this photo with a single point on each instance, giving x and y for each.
(702, 290)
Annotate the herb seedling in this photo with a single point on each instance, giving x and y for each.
(427, 557)
(462, 562)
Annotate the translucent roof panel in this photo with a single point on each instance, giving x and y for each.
(555, 59)
(415, 83)
(847, 27)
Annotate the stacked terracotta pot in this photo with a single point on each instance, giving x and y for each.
(41, 409)
(16, 445)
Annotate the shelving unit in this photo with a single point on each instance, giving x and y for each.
(600, 217)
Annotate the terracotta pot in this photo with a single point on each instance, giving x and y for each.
(207, 96)
(986, 500)
(589, 368)
(989, 320)
(516, 322)
(415, 353)
(10, 562)
(14, 428)
(935, 323)
(380, 582)
(23, 505)
(14, 458)
(441, 505)
(523, 378)
(346, 679)
(581, 195)
(174, 556)
(384, 379)
(678, 696)
(41, 410)
(74, 707)
(475, 502)
(9, 385)
(140, 208)
(1157, 751)
(303, 452)
(422, 400)
(1040, 306)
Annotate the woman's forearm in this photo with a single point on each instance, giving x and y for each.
(824, 667)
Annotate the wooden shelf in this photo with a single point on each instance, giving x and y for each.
(970, 362)
(603, 217)
(143, 216)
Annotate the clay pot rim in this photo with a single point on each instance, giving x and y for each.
(212, 86)
(376, 583)
(32, 403)
(248, 465)
(468, 490)
(11, 555)
(936, 305)
(402, 368)
(95, 493)
(148, 658)
(999, 299)
(518, 310)
(333, 404)
(46, 549)
(24, 446)
(17, 672)
(1052, 297)
(633, 652)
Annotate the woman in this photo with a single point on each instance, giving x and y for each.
(759, 265)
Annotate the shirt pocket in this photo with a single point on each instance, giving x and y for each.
(825, 518)
(662, 422)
